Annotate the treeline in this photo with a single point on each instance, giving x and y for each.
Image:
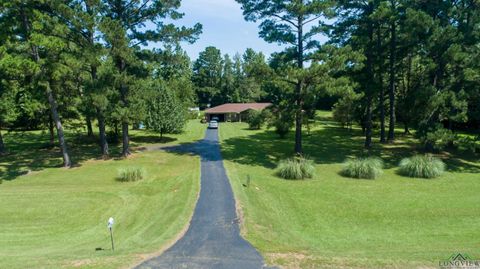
(220, 79)
(391, 63)
(87, 60)
(421, 66)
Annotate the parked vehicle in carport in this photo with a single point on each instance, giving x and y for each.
(213, 124)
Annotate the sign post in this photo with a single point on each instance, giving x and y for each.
(111, 221)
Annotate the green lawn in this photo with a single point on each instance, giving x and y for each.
(333, 222)
(30, 151)
(56, 218)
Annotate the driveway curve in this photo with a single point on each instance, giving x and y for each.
(213, 239)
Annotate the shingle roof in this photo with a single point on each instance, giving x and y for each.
(236, 108)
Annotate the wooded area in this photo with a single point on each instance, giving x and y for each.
(388, 64)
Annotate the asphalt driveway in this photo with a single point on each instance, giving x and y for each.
(213, 239)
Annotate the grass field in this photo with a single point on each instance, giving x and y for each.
(55, 218)
(30, 151)
(334, 222)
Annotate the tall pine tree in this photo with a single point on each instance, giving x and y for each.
(124, 28)
(296, 24)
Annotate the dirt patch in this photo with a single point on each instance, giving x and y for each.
(240, 217)
(287, 260)
(292, 260)
(80, 263)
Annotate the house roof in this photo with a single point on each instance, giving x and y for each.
(236, 108)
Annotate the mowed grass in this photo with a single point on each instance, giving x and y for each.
(30, 151)
(55, 218)
(194, 130)
(332, 221)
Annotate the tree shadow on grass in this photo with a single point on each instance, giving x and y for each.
(208, 149)
(152, 139)
(328, 145)
(456, 161)
(462, 162)
(31, 151)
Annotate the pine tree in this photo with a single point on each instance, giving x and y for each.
(83, 17)
(165, 112)
(255, 71)
(394, 17)
(36, 29)
(207, 77)
(296, 24)
(123, 27)
(228, 90)
(386, 18)
(174, 67)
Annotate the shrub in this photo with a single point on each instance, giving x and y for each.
(422, 166)
(367, 168)
(437, 139)
(344, 109)
(131, 174)
(255, 119)
(467, 143)
(282, 128)
(282, 120)
(296, 168)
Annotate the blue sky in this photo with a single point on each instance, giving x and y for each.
(223, 27)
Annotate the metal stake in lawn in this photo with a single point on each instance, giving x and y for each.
(110, 226)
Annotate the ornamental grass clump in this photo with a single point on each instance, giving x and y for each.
(296, 168)
(422, 166)
(365, 168)
(131, 174)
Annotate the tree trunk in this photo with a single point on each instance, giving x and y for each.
(100, 117)
(380, 84)
(116, 129)
(382, 116)
(391, 93)
(51, 99)
(407, 89)
(123, 96)
(298, 122)
(102, 133)
(368, 124)
(58, 124)
(125, 140)
(298, 91)
(369, 92)
(51, 129)
(406, 129)
(89, 126)
(2, 144)
(93, 73)
(123, 89)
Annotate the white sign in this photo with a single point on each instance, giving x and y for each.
(111, 221)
